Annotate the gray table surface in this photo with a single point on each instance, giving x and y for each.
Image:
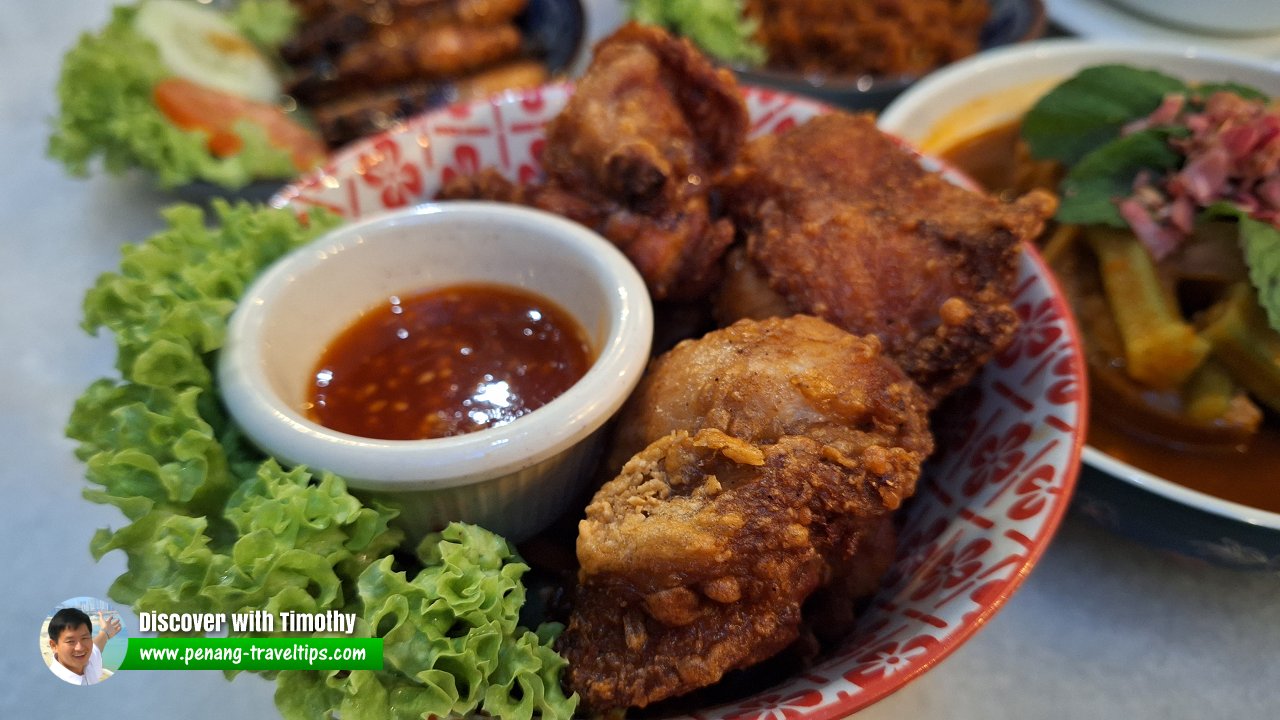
(1101, 628)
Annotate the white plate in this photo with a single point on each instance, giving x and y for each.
(1100, 20)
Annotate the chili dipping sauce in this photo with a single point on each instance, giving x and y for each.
(446, 362)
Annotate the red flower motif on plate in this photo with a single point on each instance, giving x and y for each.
(777, 707)
(1065, 391)
(466, 161)
(1035, 491)
(533, 101)
(527, 174)
(986, 596)
(952, 568)
(995, 458)
(888, 659)
(399, 182)
(1041, 328)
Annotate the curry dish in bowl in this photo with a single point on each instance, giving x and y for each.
(1163, 244)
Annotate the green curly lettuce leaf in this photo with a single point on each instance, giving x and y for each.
(453, 645)
(216, 527)
(717, 26)
(168, 304)
(106, 111)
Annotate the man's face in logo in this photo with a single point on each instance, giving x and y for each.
(73, 648)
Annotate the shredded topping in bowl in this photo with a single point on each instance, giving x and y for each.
(1231, 147)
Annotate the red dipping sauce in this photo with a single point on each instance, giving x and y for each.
(447, 362)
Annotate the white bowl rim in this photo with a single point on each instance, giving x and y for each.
(1049, 50)
(1179, 493)
(461, 459)
(1052, 49)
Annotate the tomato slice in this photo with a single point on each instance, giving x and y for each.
(192, 106)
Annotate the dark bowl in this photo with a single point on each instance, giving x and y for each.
(1179, 521)
(554, 30)
(1011, 21)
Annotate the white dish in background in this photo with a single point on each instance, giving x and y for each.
(1100, 20)
(1244, 18)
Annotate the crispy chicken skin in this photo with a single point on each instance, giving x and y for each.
(843, 223)
(344, 49)
(761, 381)
(764, 460)
(634, 155)
(649, 111)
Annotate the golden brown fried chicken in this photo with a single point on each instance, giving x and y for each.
(767, 459)
(844, 223)
(848, 38)
(394, 47)
(761, 381)
(634, 155)
(427, 51)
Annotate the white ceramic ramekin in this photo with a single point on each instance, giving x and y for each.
(513, 479)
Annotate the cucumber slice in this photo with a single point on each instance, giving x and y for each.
(199, 44)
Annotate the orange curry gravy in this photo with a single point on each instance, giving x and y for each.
(447, 362)
(1248, 475)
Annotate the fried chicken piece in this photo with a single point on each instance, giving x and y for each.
(844, 223)
(637, 149)
(649, 110)
(848, 38)
(763, 380)
(405, 54)
(420, 50)
(767, 459)
(329, 25)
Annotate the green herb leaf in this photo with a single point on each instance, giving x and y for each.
(1088, 110)
(1092, 186)
(1260, 242)
(1204, 90)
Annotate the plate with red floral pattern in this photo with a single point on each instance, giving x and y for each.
(991, 498)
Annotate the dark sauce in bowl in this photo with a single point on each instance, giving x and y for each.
(446, 362)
